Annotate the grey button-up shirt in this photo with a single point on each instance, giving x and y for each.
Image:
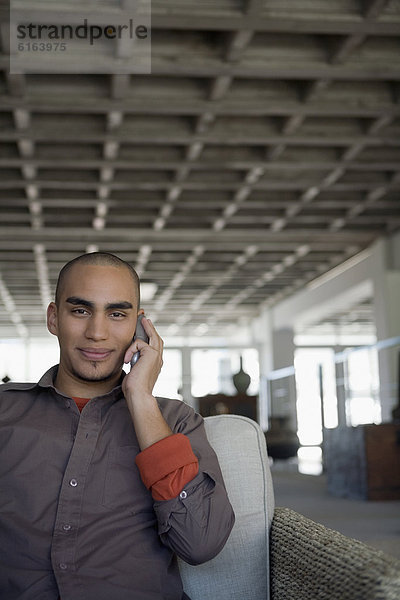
(75, 517)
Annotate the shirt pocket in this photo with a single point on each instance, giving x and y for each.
(123, 487)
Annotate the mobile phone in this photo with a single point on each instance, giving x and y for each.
(142, 335)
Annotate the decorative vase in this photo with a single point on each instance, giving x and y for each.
(241, 380)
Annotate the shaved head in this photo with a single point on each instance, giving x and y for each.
(103, 259)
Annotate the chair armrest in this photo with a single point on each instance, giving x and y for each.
(311, 562)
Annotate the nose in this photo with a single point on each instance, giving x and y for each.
(96, 328)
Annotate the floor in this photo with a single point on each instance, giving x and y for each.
(374, 523)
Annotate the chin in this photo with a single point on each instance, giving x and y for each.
(95, 374)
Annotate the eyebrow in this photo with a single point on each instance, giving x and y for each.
(76, 301)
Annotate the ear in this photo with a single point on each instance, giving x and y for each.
(52, 318)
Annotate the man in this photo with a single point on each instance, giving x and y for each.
(102, 485)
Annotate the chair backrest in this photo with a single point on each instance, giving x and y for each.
(241, 570)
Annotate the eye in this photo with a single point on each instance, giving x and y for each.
(80, 311)
(117, 315)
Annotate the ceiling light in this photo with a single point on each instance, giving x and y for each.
(147, 290)
(183, 319)
(242, 194)
(230, 210)
(303, 250)
(178, 279)
(91, 248)
(35, 208)
(241, 260)
(159, 224)
(292, 210)
(278, 224)
(101, 209)
(114, 119)
(29, 171)
(219, 224)
(22, 330)
(253, 175)
(166, 211)
(194, 151)
(310, 194)
(37, 223)
(251, 250)
(201, 329)
(337, 224)
(173, 329)
(198, 250)
(333, 177)
(103, 192)
(22, 118)
(376, 194)
(145, 250)
(111, 150)
(32, 191)
(174, 193)
(26, 147)
(106, 174)
(289, 260)
(98, 223)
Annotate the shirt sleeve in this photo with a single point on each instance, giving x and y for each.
(167, 466)
(196, 523)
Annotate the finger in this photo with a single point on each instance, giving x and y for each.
(155, 340)
(136, 346)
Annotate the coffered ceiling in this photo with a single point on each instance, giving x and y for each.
(262, 150)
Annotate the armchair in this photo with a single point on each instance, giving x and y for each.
(276, 553)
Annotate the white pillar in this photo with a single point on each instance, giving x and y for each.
(262, 339)
(340, 391)
(283, 401)
(386, 280)
(187, 377)
(276, 352)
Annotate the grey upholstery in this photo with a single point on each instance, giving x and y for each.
(240, 571)
(306, 561)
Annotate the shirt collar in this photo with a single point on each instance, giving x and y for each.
(47, 380)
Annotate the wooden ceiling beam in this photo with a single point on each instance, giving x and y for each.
(50, 135)
(198, 186)
(206, 66)
(251, 107)
(191, 235)
(294, 164)
(197, 19)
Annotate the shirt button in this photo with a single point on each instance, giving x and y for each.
(67, 404)
(63, 566)
(183, 495)
(73, 482)
(66, 527)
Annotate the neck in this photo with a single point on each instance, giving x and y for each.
(75, 387)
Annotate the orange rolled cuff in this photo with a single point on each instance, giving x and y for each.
(167, 466)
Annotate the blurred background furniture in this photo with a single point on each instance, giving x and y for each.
(223, 404)
(363, 462)
(276, 553)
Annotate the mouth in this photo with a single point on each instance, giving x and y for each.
(95, 354)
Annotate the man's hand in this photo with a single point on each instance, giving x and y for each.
(144, 373)
(137, 386)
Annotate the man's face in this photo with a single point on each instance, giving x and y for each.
(94, 321)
